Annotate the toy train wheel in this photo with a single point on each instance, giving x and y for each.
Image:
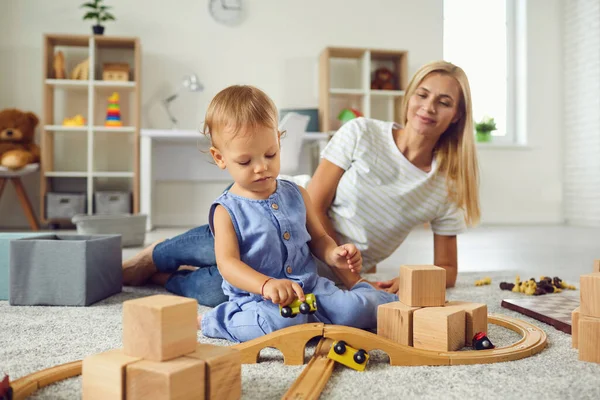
(314, 307)
(304, 308)
(360, 356)
(340, 347)
(286, 312)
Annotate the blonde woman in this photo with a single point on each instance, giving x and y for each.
(376, 181)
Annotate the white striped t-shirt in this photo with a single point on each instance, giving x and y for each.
(381, 196)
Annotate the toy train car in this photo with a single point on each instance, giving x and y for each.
(6, 392)
(482, 342)
(349, 356)
(309, 306)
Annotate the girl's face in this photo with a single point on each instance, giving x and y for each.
(252, 158)
(434, 105)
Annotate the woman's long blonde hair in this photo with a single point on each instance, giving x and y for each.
(455, 151)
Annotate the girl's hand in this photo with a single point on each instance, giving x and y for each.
(390, 286)
(282, 291)
(347, 256)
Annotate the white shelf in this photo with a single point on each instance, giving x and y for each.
(114, 129)
(63, 174)
(387, 93)
(72, 83)
(60, 128)
(125, 174)
(355, 92)
(114, 84)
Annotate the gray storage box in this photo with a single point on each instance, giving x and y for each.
(5, 239)
(111, 203)
(65, 270)
(65, 205)
(132, 228)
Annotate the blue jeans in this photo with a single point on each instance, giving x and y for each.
(195, 247)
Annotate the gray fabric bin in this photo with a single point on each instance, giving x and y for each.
(65, 270)
(65, 205)
(131, 227)
(111, 203)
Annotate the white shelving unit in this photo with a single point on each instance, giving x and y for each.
(98, 149)
(345, 76)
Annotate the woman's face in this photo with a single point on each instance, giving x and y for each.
(434, 105)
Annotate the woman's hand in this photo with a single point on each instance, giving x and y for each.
(390, 286)
(282, 291)
(346, 256)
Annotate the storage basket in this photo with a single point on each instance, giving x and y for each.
(131, 227)
(112, 203)
(65, 205)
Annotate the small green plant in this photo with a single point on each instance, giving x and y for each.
(99, 12)
(486, 125)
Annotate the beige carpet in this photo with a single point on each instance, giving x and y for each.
(33, 338)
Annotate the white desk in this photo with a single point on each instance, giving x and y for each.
(167, 155)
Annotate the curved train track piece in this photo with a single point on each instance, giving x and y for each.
(292, 342)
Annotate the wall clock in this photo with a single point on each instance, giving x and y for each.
(227, 12)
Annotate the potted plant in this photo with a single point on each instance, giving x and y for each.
(97, 11)
(484, 129)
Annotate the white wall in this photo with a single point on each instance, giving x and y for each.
(525, 185)
(582, 112)
(276, 48)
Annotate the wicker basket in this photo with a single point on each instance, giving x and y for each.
(132, 228)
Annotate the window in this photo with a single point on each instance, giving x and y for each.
(478, 37)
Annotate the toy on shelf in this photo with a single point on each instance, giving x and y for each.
(532, 288)
(481, 342)
(115, 72)
(81, 70)
(384, 79)
(309, 306)
(348, 114)
(344, 354)
(77, 120)
(113, 111)
(485, 281)
(59, 65)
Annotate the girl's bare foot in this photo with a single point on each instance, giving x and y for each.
(199, 322)
(138, 269)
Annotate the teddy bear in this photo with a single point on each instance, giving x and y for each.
(384, 79)
(17, 130)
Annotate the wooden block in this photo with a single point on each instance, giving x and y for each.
(475, 318)
(115, 72)
(223, 371)
(589, 339)
(181, 378)
(439, 328)
(160, 327)
(596, 265)
(103, 375)
(575, 327)
(395, 322)
(589, 293)
(422, 285)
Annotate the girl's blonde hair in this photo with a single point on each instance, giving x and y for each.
(455, 151)
(237, 107)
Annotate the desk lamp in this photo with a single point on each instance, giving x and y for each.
(189, 83)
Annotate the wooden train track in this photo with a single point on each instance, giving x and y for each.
(292, 342)
(26, 385)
